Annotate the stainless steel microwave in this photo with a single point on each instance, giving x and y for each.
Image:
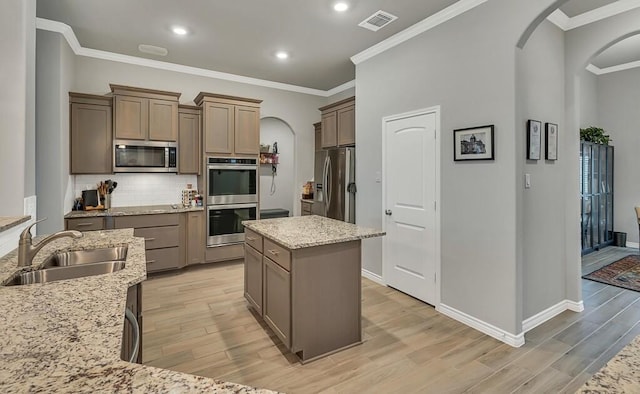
(145, 156)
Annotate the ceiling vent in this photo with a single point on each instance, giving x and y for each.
(377, 21)
(153, 50)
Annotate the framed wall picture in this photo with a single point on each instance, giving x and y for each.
(551, 141)
(474, 143)
(534, 133)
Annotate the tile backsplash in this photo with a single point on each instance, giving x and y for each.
(139, 189)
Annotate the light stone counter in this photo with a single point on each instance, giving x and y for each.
(66, 336)
(620, 375)
(7, 222)
(130, 211)
(299, 232)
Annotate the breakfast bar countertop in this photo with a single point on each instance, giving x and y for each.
(7, 222)
(299, 232)
(66, 336)
(131, 211)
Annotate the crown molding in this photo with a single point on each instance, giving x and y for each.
(69, 35)
(608, 70)
(426, 24)
(561, 20)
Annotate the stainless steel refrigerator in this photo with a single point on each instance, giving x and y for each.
(335, 171)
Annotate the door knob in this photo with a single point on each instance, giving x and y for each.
(387, 212)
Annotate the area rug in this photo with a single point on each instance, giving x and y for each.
(623, 273)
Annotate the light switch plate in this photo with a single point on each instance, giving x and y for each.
(527, 181)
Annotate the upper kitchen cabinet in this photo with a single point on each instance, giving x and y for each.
(318, 136)
(339, 123)
(145, 114)
(90, 133)
(189, 139)
(231, 124)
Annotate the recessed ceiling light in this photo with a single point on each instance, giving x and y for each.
(181, 31)
(341, 6)
(282, 55)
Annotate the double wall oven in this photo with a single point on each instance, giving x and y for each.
(232, 197)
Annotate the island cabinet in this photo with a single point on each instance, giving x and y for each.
(145, 114)
(231, 125)
(338, 124)
(90, 134)
(308, 293)
(189, 140)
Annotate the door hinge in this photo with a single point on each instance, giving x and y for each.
(435, 205)
(435, 278)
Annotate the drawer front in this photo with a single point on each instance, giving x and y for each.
(140, 221)
(253, 239)
(277, 254)
(224, 253)
(85, 224)
(159, 237)
(163, 259)
(306, 208)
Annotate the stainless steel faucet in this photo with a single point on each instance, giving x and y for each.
(26, 250)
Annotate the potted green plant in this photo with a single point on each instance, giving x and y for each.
(595, 135)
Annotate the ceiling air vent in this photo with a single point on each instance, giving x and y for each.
(153, 50)
(377, 21)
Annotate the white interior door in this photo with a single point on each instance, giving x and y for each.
(411, 188)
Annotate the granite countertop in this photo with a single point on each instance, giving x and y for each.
(66, 335)
(299, 232)
(130, 211)
(620, 375)
(6, 222)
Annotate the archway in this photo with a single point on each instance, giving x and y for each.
(277, 181)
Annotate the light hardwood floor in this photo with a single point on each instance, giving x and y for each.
(197, 321)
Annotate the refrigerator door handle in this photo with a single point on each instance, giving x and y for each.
(347, 178)
(329, 188)
(326, 185)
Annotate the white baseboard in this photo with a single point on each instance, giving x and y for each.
(575, 306)
(484, 327)
(632, 245)
(374, 277)
(551, 312)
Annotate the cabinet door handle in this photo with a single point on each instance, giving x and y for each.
(273, 252)
(149, 239)
(251, 239)
(84, 224)
(150, 261)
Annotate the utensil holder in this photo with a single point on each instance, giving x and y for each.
(107, 201)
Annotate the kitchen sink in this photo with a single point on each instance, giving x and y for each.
(79, 257)
(67, 272)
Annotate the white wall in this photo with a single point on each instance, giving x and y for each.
(54, 70)
(540, 68)
(17, 18)
(467, 66)
(618, 99)
(275, 130)
(299, 111)
(589, 111)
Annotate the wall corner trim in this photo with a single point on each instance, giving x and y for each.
(69, 35)
(566, 23)
(374, 277)
(426, 24)
(551, 312)
(515, 340)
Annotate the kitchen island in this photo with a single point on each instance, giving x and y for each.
(66, 336)
(302, 277)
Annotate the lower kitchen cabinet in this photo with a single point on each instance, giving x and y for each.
(129, 335)
(195, 243)
(85, 224)
(253, 277)
(163, 235)
(277, 300)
